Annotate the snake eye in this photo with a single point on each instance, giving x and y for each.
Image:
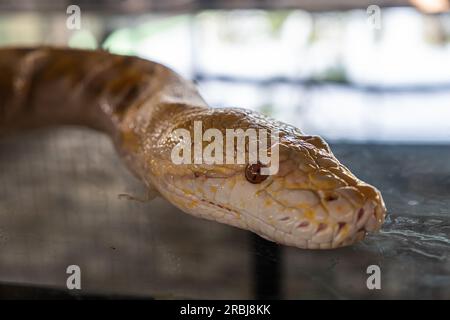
(253, 173)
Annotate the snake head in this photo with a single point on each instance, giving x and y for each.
(311, 201)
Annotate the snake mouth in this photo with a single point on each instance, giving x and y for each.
(305, 234)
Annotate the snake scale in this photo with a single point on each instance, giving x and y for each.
(313, 201)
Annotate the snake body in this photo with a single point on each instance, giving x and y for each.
(312, 202)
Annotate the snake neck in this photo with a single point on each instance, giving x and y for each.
(130, 99)
(45, 87)
(49, 86)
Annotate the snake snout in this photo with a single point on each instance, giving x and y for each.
(367, 218)
(375, 217)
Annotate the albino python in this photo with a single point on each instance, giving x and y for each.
(312, 202)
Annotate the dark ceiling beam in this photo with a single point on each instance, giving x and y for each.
(174, 6)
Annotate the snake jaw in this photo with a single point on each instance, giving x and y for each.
(288, 208)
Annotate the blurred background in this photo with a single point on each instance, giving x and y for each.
(325, 66)
(371, 77)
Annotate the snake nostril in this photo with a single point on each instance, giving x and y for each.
(284, 219)
(341, 225)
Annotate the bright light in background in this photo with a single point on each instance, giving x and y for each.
(83, 39)
(340, 78)
(165, 40)
(431, 6)
(401, 55)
